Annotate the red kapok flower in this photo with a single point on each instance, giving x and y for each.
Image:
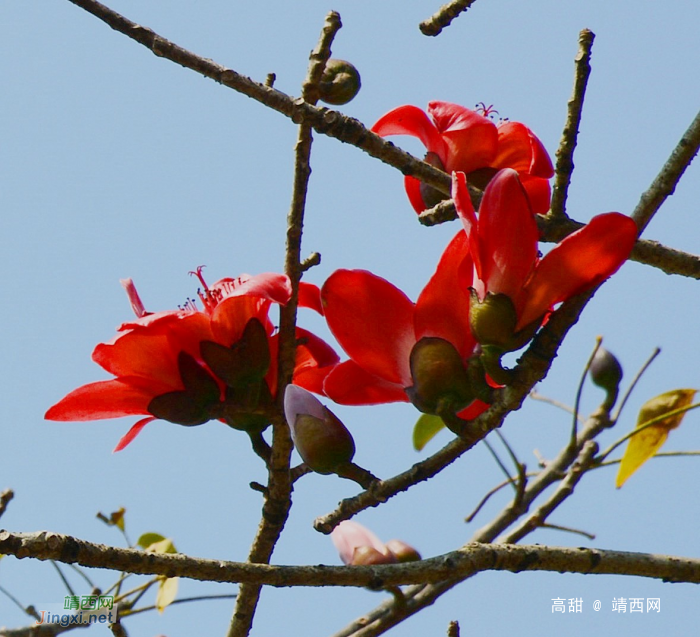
(402, 351)
(189, 366)
(514, 289)
(459, 139)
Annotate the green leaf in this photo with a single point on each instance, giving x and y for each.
(149, 538)
(647, 442)
(425, 430)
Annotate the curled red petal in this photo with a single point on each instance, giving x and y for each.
(373, 322)
(583, 259)
(508, 235)
(310, 296)
(106, 399)
(471, 139)
(520, 149)
(272, 286)
(442, 308)
(465, 210)
(411, 120)
(314, 360)
(131, 434)
(348, 384)
(538, 192)
(412, 186)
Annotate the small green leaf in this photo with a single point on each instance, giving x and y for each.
(149, 538)
(425, 429)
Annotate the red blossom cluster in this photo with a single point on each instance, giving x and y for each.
(490, 293)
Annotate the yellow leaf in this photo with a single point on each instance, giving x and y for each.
(167, 592)
(649, 440)
(116, 518)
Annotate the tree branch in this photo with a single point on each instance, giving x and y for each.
(565, 152)
(278, 494)
(665, 182)
(470, 559)
(443, 16)
(5, 498)
(532, 368)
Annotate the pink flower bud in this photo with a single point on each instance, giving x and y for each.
(323, 442)
(358, 545)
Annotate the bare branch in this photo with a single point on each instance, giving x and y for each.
(665, 182)
(565, 152)
(5, 498)
(443, 17)
(470, 559)
(278, 493)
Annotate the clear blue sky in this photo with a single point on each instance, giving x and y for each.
(116, 164)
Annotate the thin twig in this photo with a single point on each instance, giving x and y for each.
(635, 380)
(535, 395)
(565, 489)
(667, 179)
(579, 392)
(565, 153)
(278, 495)
(568, 529)
(443, 16)
(5, 498)
(66, 583)
(499, 462)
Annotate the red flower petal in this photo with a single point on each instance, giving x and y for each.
(314, 360)
(412, 186)
(131, 434)
(348, 384)
(106, 399)
(465, 210)
(150, 349)
(310, 296)
(475, 409)
(268, 285)
(582, 260)
(373, 322)
(138, 353)
(411, 120)
(520, 149)
(232, 315)
(508, 235)
(538, 192)
(471, 139)
(442, 308)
